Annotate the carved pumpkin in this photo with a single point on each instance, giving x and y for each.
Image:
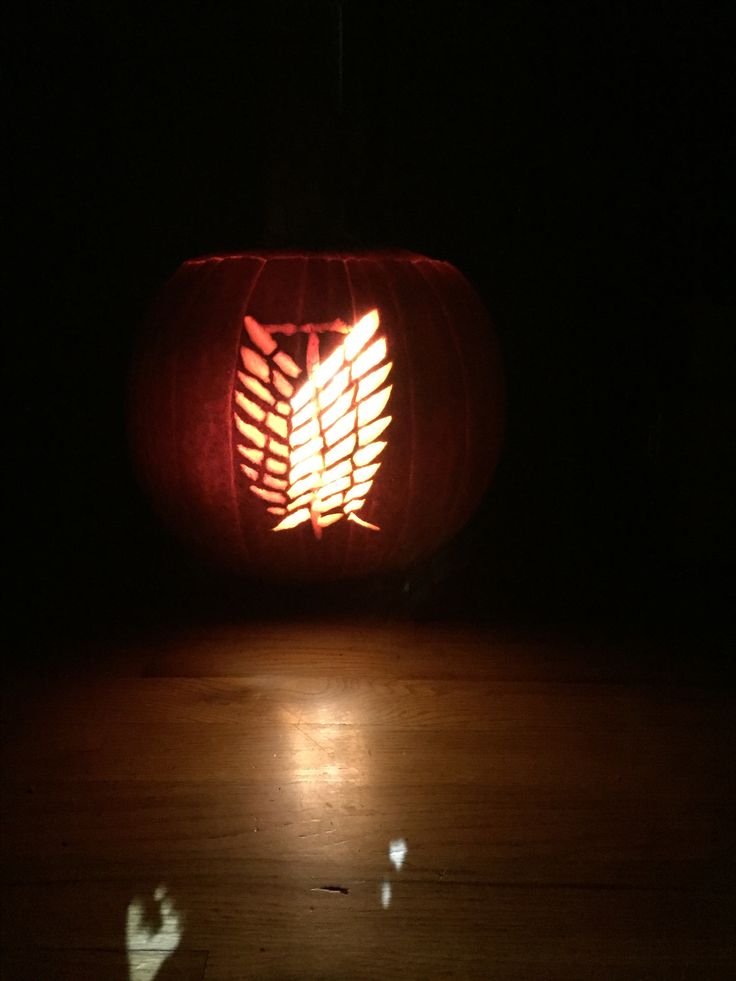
(320, 415)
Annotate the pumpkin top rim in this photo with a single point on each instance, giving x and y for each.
(363, 255)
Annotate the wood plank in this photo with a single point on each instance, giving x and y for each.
(383, 650)
(429, 930)
(456, 832)
(59, 964)
(252, 729)
(566, 816)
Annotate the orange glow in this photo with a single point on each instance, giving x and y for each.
(276, 466)
(273, 496)
(309, 465)
(368, 453)
(278, 448)
(341, 428)
(343, 449)
(334, 389)
(329, 368)
(255, 456)
(311, 448)
(250, 432)
(361, 334)
(368, 434)
(292, 520)
(370, 358)
(277, 424)
(371, 382)
(254, 363)
(253, 410)
(253, 385)
(287, 365)
(359, 521)
(282, 386)
(259, 335)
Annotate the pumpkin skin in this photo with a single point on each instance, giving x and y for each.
(445, 407)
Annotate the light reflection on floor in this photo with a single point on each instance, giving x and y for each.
(149, 947)
(386, 892)
(397, 852)
(328, 750)
(321, 760)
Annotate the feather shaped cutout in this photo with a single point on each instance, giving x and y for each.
(308, 435)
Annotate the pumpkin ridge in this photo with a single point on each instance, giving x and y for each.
(460, 482)
(238, 339)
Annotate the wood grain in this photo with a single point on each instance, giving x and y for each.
(569, 810)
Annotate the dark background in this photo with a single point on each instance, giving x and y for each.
(575, 160)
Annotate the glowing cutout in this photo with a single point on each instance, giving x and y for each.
(293, 520)
(368, 433)
(277, 466)
(365, 473)
(306, 432)
(370, 358)
(274, 482)
(277, 425)
(253, 385)
(283, 387)
(338, 409)
(250, 432)
(287, 365)
(361, 334)
(343, 449)
(373, 406)
(368, 453)
(259, 335)
(329, 368)
(255, 456)
(272, 496)
(278, 448)
(254, 363)
(301, 502)
(373, 381)
(341, 429)
(308, 450)
(309, 465)
(334, 389)
(253, 410)
(320, 468)
(335, 487)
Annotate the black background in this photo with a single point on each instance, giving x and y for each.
(575, 160)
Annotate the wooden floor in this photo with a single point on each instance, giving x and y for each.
(229, 795)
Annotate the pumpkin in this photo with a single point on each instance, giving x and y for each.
(316, 416)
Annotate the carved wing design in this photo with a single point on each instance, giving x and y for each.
(311, 437)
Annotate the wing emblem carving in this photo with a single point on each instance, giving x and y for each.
(310, 437)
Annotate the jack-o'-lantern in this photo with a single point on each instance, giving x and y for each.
(317, 415)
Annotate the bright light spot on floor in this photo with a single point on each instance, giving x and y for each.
(148, 948)
(397, 850)
(385, 894)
